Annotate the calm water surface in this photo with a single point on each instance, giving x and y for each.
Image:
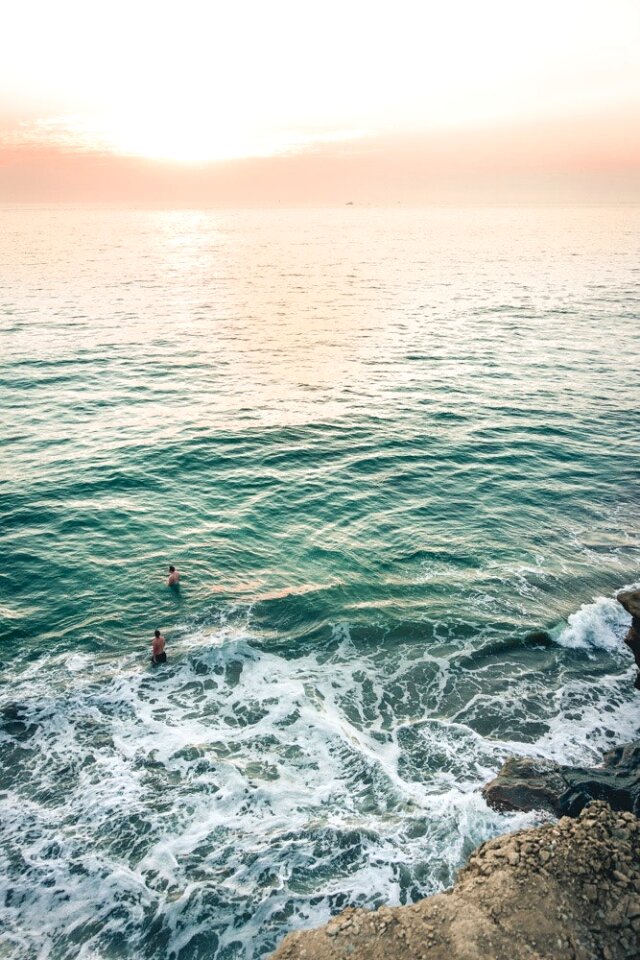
(383, 447)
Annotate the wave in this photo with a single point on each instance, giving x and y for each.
(246, 790)
(599, 625)
(235, 794)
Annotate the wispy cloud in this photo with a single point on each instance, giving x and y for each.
(593, 157)
(68, 132)
(78, 134)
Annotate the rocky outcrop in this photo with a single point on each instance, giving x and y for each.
(565, 891)
(526, 784)
(630, 600)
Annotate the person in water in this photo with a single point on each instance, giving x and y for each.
(174, 577)
(158, 654)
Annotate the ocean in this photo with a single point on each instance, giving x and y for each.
(394, 454)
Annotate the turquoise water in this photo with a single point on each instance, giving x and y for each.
(383, 447)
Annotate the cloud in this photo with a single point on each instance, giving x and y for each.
(76, 133)
(581, 159)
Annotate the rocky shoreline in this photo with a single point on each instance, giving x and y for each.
(527, 784)
(568, 890)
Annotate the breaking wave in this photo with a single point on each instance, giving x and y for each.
(597, 626)
(239, 793)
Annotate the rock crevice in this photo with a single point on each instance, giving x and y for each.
(524, 783)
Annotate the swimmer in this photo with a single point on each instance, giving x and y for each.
(158, 654)
(174, 577)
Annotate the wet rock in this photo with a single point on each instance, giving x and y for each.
(527, 784)
(630, 600)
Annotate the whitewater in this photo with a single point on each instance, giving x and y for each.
(394, 455)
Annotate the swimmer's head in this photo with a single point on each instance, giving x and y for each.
(157, 633)
(172, 569)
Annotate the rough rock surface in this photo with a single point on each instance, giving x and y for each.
(526, 784)
(565, 891)
(630, 600)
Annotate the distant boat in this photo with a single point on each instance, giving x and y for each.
(349, 203)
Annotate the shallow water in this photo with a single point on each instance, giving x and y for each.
(383, 447)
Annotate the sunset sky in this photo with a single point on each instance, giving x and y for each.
(320, 101)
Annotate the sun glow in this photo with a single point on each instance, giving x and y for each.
(203, 81)
(180, 139)
(186, 139)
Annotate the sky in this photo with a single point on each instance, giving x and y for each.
(302, 102)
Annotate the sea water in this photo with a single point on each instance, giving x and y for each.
(387, 450)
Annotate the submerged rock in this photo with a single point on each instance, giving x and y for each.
(565, 891)
(526, 784)
(538, 638)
